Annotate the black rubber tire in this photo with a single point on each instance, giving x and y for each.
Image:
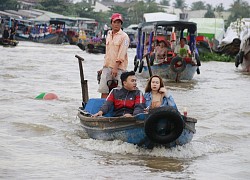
(198, 70)
(136, 65)
(241, 56)
(197, 57)
(164, 125)
(135, 59)
(141, 66)
(152, 58)
(174, 62)
(237, 60)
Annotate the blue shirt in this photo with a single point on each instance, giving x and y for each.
(167, 100)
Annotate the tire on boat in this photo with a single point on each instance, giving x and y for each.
(164, 125)
(135, 59)
(141, 66)
(237, 60)
(178, 64)
(136, 63)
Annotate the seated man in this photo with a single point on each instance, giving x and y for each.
(182, 49)
(127, 101)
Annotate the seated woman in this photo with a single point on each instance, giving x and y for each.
(182, 49)
(156, 95)
(161, 52)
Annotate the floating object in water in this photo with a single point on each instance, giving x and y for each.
(47, 96)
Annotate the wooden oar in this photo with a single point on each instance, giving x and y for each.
(84, 83)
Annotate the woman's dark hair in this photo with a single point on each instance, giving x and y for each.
(148, 86)
(125, 75)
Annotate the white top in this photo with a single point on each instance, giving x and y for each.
(105, 27)
(178, 47)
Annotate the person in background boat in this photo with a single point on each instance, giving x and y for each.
(105, 30)
(6, 33)
(12, 32)
(127, 101)
(116, 57)
(156, 95)
(161, 52)
(182, 48)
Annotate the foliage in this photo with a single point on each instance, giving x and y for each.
(164, 2)
(216, 57)
(210, 12)
(56, 6)
(239, 9)
(180, 4)
(199, 5)
(9, 4)
(135, 12)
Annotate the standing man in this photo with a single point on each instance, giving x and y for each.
(116, 57)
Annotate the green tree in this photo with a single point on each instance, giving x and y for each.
(164, 2)
(210, 12)
(180, 4)
(56, 6)
(199, 5)
(239, 9)
(9, 5)
(136, 11)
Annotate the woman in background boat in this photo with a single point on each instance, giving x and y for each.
(156, 95)
(161, 51)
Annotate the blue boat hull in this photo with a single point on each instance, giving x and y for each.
(165, 71)
(131, 129)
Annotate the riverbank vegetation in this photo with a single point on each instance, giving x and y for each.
(131, 11)
(216, 57)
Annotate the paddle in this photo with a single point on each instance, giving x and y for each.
(84, 83)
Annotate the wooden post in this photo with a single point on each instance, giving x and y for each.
(84, 83)
(149, 67)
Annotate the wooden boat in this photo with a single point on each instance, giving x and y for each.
(163, 126)
(95, 48)
(174, 67)
(46, 38)
(243, 57)
(8, 42)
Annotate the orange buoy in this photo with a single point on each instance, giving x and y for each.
(50, 96)
(47, 96)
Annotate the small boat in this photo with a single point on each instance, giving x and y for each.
(95, 48)
(46, 38)
(164, 126)
(174, 67)
(243, 57)
(8, 42)
(235, 33)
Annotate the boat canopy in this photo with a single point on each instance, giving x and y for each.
(178, 25)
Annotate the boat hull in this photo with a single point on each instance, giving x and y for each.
(165, 71)
(131, 130)
(47, 39)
